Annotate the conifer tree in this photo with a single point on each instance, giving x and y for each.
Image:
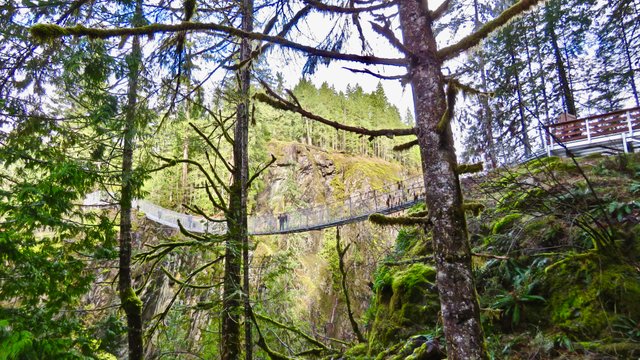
(434, 112)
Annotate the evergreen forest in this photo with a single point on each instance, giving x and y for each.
(191, 180)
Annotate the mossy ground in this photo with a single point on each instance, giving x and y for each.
(560, 293)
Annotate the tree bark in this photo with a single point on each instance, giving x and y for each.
(562, 71)
(523, 120)
(486, 115)
(243, 111)
(129, 301)
(459, 305)
(234, 294)
(627, 55)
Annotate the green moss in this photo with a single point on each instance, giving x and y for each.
(358, 351)
(130, 301)
(380, 219)
(338, 186)
(406, 239)
(587, 294)
(544, 231)
(47, 32)
(474, 207)
(382, 279)
(413, 277)
(409, 305)
(505, 223)
(469, 168)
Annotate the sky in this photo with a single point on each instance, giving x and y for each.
(314, 29)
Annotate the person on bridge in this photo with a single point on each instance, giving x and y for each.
(282, 219)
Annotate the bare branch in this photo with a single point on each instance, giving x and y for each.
(348, 10)
(260, 171)
(474, 39)
(343, 275)
(441, 10)
(48, 32)
(279, 102)
(387, 33)
(466, 89)
(406, 146)
(213, 147)
(402, 78)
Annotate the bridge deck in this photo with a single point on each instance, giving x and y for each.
(357, 207)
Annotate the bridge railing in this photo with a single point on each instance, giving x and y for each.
(359, 205)
(626, 123)
(392, 198)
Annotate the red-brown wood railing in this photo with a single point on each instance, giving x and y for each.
(616, 122)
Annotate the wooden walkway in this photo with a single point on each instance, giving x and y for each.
(613, 132)
(392, 198)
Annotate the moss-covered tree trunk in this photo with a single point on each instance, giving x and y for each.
(129, 300)
(243, 132)
(459, 305)
(237, 242)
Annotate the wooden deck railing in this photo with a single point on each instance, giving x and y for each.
(625, 123)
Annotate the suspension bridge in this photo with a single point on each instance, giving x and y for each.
(617, 131)
(394, 197)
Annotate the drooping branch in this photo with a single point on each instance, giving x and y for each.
(198, 210)
(441, 10)
(262, 342)
(447, 117)
(261, 170)
(283, 33)
(48, 32)
(213, 147)
(386, 32)
(220, 203)
(474, 39)
(403, 78)
(184, 283)
(466, 89)
(348, 10)
(406, 146)
(160, 317)
(294, 330)
(278, 102)
(343, 275)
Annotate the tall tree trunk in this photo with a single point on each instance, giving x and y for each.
(459, 305)
(185, 171)
(129, 301)
(627, 54)
(234, 294)
(243, 111)
(523, 121)
(486, 115)
(562, 72)
(532, 79)
(543, 77)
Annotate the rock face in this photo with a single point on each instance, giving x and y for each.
(294, 278)
(302, 176)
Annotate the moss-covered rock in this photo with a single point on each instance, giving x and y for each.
(505, 223)
(406, 303)
(588, 293)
